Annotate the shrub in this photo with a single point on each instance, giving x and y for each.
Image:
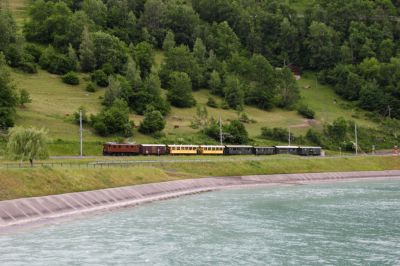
(306, 112)
(55, 62)
(153, 122)
(71, 78)
(91, 87)
(314, 137)
(211, 102)
(279, 134)
(237, 133)
(113, 120)
(28, 67)
(100, 78)
(34, 51)
(85, 118)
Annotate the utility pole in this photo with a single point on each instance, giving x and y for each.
(289, 137)
(81, 132)
(355, 134)
(220, 130)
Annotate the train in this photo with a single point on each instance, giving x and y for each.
(122, 149)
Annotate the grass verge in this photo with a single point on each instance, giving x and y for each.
(18, 183)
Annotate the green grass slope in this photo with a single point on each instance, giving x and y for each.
(53, 105)
(55, 102)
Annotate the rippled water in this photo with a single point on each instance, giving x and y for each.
(356, 223)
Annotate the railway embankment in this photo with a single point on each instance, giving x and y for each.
(63, 177)
(37, 210)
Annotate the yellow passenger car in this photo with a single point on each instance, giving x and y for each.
(182, 149)
(211, 150)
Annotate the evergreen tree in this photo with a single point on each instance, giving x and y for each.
(287, 89)
(143, 54)
(215, 83)
(8, 29)
(132, 73)
(86, 50)
(199, 51)
(169, 41)
(8, 98)
(234, 95)
(180, 92)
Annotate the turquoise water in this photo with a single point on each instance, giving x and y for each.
(353, 223)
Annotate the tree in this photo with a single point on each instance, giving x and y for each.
(234, 94)
(287, 89)
(153, 17)
(24, 97)
(27, 144)
(8, 98)
(223, 40)
(386, 49)
(215, 83)
(169, 41)
(109, 49)
(180, 92)
(8, 29)
(199, 51)
(182, 20)
(180, 59)
(86, 49)
(143, 54)
(149, 95)
(153, 122)
(96, 10)
(322, 43)
(132, 73)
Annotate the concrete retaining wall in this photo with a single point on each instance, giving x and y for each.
(29, 210)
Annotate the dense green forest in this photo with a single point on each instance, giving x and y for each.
(242, 51)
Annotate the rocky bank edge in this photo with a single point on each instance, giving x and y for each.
(42, 209)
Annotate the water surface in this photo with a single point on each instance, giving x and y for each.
(352, 223)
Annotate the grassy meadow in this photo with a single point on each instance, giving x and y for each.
(54, 103)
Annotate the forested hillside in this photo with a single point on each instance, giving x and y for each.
(156, 70)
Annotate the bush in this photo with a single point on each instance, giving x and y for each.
(306, 112)
(211, 102)
(28, 67)
(113, 120)
(71, 78)
(100, 78)
(55, 62)
(91, 87)
(236, 133)
(279, 134)
(85, 118)
(153, 122)
(314, 137)
(34, 51)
